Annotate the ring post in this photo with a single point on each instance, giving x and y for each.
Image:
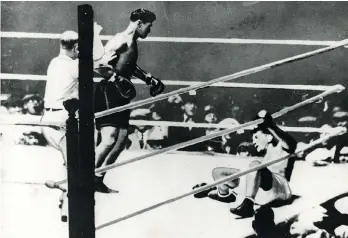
(72, 160)
(80, 136)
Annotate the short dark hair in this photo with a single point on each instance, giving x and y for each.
(143, 15)
(262, 129)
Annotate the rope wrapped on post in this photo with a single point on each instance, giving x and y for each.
(222, 79)
(229, 178)
(335, 89)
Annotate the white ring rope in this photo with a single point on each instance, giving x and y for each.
(187, 83)
(299, 129)
(226, 179)
(222, 126)
(280, 113)
(9, 122)
(22, 182)
(34, 35)
(222, 79)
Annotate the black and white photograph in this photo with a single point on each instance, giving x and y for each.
(174, 119)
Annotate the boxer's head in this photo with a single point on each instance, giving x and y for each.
(145, 19)
(261, 138)
(68, 44)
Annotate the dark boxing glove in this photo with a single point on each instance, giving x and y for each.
(125, 87)
(267, 117)
(156, 86)
(104, 72)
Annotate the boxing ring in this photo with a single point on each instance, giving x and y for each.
(153, 193)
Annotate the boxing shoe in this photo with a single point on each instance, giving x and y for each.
(246, 209)
(204, 193)
(101, 187)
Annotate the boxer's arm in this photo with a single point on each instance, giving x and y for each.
(288, 142)
(142, 75)
(98, 48)
(111, 51)
(116, 44)
(156, 86)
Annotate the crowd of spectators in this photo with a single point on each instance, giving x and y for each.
(32, 104)
(187, 109)
(183, 109)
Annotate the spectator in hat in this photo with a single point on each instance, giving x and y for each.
(188, 113)
(138, 135)
(210, 114)
(33, 104)
(213, 145)
(231, 141)
(157, 136)
(174, 104)
(188, 108)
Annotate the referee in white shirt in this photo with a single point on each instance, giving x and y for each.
(61, 85)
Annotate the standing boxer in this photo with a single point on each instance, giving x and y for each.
(116, 89)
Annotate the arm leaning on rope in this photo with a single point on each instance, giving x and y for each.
(289, 144)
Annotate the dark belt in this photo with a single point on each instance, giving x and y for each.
(53, 109)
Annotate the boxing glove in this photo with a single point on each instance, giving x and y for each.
(267, 117)
(125, 87)
(105, 71)
(156, 86)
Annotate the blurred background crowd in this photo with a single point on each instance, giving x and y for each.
(188, 109)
